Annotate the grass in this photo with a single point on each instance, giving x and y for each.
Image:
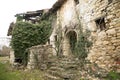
(7, 73)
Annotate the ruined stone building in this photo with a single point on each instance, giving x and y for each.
(101, 18)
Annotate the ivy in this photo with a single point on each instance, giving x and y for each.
(26, 35)
(58, 42)
(19, 17)
(82, 45)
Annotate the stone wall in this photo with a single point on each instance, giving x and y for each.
(53, 34)
(67, 14)
(106, 42)
(12, 57)
(67, 21)
(38, 55)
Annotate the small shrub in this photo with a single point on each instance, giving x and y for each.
(112, 75)
(82, 46)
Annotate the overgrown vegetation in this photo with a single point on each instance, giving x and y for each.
(6, 73)
(19, 17)
(26, 35)
(82, 45)
(58, 41)
(112, 75)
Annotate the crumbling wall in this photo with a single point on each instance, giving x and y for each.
(38, 55)
(12, 57)
(106, 40)
(67, 21)
(52, 40)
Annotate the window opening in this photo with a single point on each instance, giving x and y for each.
(76, 2)
(100, 24)
(55, 37)
(110, 1)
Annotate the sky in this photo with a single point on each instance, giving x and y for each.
(8, 8)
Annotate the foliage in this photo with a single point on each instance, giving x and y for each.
(78, 46)
(112, 75)
(58, 42)
(19, 18)
(26, 35)
(58, 39)
(82, 46)
(72, 40)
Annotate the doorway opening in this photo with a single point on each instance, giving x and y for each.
(72, 39)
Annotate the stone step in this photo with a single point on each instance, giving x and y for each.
(69, 59)
(56, 68)
(55, 73)
(71, 67)
(64, 73)
(69, 62)
(68, 75)
(62, 66)
(63, 69)
(51, 77)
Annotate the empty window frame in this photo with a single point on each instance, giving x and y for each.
(100, 24)
(55, 37)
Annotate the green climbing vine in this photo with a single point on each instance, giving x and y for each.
(78, 46)
(82, 44)
(25, 35)
(58, 42)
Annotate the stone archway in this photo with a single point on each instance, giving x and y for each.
(69, 43)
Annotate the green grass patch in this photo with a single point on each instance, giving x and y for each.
(7, 73)
(112, 75)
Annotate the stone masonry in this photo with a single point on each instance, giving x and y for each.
(12, 57)
(38, 55)
(66, 22)
(106, 41)
(102, 19)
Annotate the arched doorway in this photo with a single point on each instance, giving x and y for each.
(72, 39)
(69, 42)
